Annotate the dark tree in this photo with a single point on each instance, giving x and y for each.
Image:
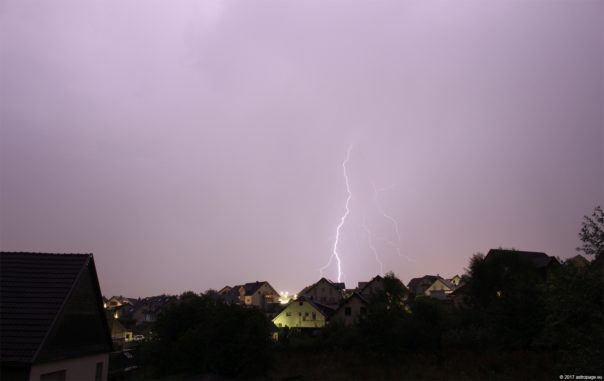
(592, 233)
(383, 328)
(200, 334)
(506, 290)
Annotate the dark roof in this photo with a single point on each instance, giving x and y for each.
(325, 310)
(419, 285)
(347, 300)
(33, 290)
(338, 286)
(364, 285)
(251, 288)
(540, 260)
(232, 295)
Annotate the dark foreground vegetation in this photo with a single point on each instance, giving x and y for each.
(512, 323)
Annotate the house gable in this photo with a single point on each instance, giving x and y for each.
(301, 314)
(80, 328)
(33, 291)
(351, 310)
(324, 291)
(372, 287)
(439, 289)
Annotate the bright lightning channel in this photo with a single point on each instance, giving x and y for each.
(335, 253)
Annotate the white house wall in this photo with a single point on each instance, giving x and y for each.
(77, 369)
(299, 314)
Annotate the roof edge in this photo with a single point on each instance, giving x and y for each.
(59, 312)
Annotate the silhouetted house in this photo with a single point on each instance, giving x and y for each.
(431, 285)
(367, 289)
(52, 321)
(258, 294)
(578, 261)
(148, 309)
(230, 295)
(459, 296)
(325, 292)
(376, 285)
(224, 291)
(303, 313)
(543, 263)
(351, 310)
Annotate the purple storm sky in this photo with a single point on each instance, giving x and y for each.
(190, 145)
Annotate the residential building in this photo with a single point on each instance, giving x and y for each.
(543, 263)
(351, 310)
(431, 285)
(303, 313)
(455, 281)
(325, 292)
(258, 294)
(578, 261)
(120, 306)
(147, 309)
(119, 334)
(368, 289)
(52, 321)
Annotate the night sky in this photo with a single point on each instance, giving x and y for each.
(191, 145)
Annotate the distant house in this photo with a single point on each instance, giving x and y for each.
(459, 296)
(351, 310)
(148, 309)
(455, 281)
(431, 285)
(324, 292)
(303, 313)
(119, 334)
(578, 261)
(52, 321)
(543, 263)
(225, 290)
(258, 294)
(120, 306)
(367, 289)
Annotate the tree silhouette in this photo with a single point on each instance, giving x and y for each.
(592, 233)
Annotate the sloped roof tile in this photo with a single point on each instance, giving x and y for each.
(33, 288)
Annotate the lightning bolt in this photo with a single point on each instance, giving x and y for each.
(372, 246)
(335, 253)
(396, 245)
